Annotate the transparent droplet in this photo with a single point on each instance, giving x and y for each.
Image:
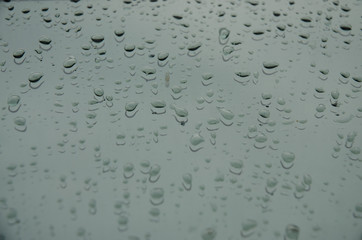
(287, 160)
(291, 232)
(157, 196)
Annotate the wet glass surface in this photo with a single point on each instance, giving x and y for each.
(181, 119)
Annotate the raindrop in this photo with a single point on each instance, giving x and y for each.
(68, 65)
(154, 214)
(162, 58)
(271, 185)
(242, 77)
(358, 211)
(307, 181)
(248, 228)
(129, 50)
(157, 196)
(209, 233)
(119, 35)
(145, 166)
(34, 80)
(122, 223)
(206, 79)
(260, 141)
(291, 232)
(236, 167)
(45, 43)
(196, 140)
(224, 34)
(158, 107)
(14, 103)
(92, 206)
(97, 41)
(287, 160)
(149, 73)
(187, 181)
(213, 124)
(12, 216)
(227, 116)
(120, 139)
(181, 114)
(130, 109)
(154, 172)
(128, 170)
(194, 49)
(19, 56)
(227, 53)
(270, 68)
(320, 110)
(20, 124)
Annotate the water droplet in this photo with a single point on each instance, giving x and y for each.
(194, 49)
(287, 160)
(209, 233)
(12, 216)
(130, 109)
(68, 65)
(227, 115)
(270, 68)
(224, 34)
(155, 172)
(19, 56)
(248, 228)
(236, 167)
(195, 140)
(154, 214)
(122, 223)
(157, 196)
(291, 232)
(45, 43)
(92, 206)
(14, 103)
(187, 181)
(128, 170)
(162, 58)
(20, 124)
(358, 211)
(271, 185)
(34, 80)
